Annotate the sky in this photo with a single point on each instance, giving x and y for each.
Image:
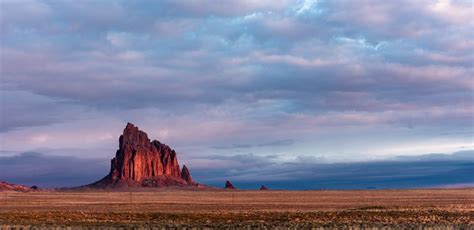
(279, 92)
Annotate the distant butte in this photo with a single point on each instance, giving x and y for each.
(263, 187)
(4, 186)
(229, 185)
(140, 162)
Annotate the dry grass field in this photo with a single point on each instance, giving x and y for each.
(430, 209)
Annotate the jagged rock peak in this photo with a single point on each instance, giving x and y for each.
(132, 136)
(141, 162)
(229, 185)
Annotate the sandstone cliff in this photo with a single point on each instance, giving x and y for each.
(140, 162)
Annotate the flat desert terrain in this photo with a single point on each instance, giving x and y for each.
(419, 209)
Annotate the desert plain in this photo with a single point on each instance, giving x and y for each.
(221, 209)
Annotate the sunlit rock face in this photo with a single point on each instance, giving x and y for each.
(144, 163)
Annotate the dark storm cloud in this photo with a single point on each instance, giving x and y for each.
(431, 170)
(31, 168)
(249, 171)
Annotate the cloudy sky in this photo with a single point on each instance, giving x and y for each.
(232, 84)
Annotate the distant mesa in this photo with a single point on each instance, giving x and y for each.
(263, 187)
(4, 186)
(229, 185)
(140, 162)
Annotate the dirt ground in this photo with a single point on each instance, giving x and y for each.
(429, 209)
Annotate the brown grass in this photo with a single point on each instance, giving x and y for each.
(266, 209)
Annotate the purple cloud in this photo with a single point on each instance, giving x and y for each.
(203, 74)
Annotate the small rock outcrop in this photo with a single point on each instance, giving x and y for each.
(4, 186)
(263, 187)
(229, 185)
(185, 175)
(140, 162)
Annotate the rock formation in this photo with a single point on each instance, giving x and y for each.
(140, 162)
(4, 186)
(229, 185)
(185, 175)
(263, 187)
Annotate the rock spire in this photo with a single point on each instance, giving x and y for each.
(140, 162)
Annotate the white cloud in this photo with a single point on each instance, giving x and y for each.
(306, 5)
(40, 139)
(130, 55)
(117, 39)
